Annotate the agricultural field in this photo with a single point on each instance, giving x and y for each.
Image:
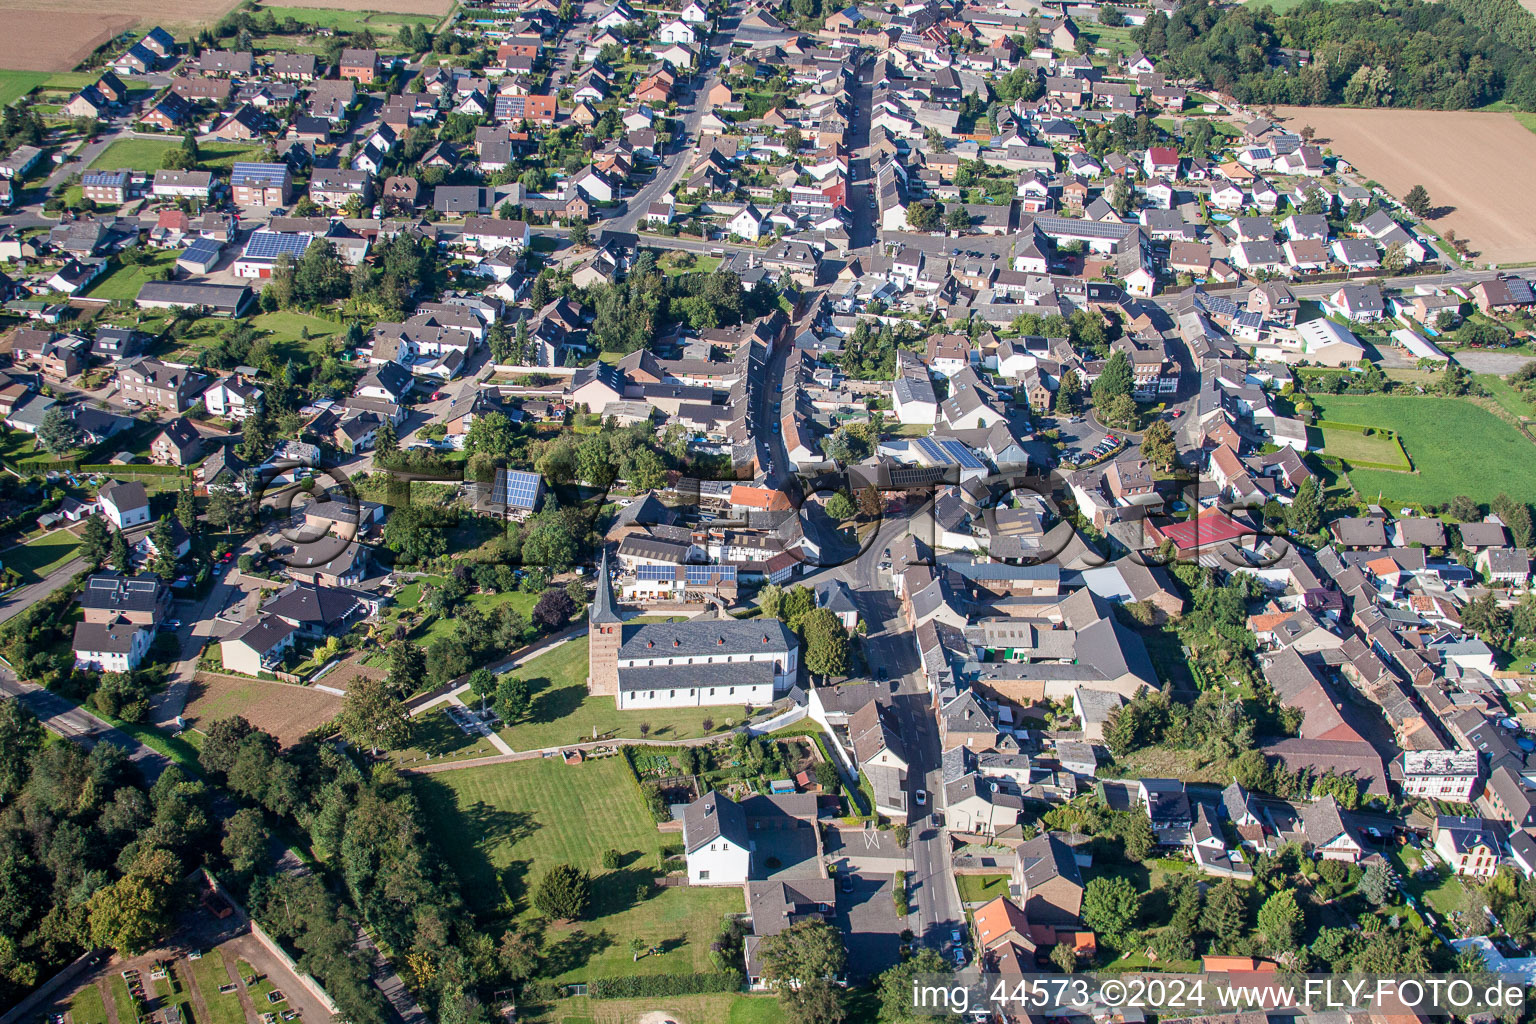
(1465, 172)
(287, 712)
(503, 827)
(1457, 447)
(564, 713)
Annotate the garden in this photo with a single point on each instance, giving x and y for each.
(504, 828)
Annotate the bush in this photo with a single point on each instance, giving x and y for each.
(643, 986)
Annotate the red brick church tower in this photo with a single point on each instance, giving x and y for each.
(605, 633)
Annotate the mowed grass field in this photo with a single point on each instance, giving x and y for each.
(1355, 446)
(503, 827)
(42, 556)
(563, 712)
(1456, 446)
(148, 154)
(16, 84)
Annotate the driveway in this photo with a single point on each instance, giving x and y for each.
(871, 930)
(865, 851)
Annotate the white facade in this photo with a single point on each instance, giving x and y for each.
(1441, 774)
(122, 518)
(116, 661)
(220, 400)
(725, 692)
(720, 862)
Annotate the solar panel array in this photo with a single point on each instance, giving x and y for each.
(517, 488)
(935, 454)
(203, 249)
(961, 454)
(256, 174)
(694, 575)
(268, 245)
(656, 572)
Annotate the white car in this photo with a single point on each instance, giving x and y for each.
(921, 797)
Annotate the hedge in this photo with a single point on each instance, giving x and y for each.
(143, 470)
(642, 986)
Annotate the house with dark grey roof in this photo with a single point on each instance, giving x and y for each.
(113, 646)
(1049, 881)
(142, 600)
(315, 610)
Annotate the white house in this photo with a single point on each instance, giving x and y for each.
(116, 646)
(747, 224)
(715, 841)
(1441, 774)
(678, 31)
(232, 398)
(695, 13)
(125, 505)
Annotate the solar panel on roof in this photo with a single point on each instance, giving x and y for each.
(929, 447)
(961, 454)
(709, 573)
(517, 488)
(202, 250)
(655, 572)
(268, 245)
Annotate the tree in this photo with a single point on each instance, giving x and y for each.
(372, 717)
(792, 140)
(803, 952)
(826, 643)
(923, 217)
(870, 502)
(1417, 201)
(564, 893)
(385, 443)
(1116, 379)
(841, 507)
(245, 840)
(1119, 410)
(129, 914)
(1069, 393)
(1226, 911)
(95, 541)
(579, 233)
(1517, 519)
(895, 987)
(21, 736)
(1464, 510)
(512, 699)
(1280, 921)
(1064, 957)
(1138, 837)
(958, 219)
(164, 564)
(1157, 445)
(1110, 906)
(58, 433)
(554, 609)
(122, 561)
(815, 1002)
(1305, 513)
(518, 956)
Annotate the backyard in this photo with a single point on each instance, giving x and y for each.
(506, 826)
(563, 712)
(125, 279)
(1457, 447)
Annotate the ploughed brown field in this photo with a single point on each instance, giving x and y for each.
(287, 712)
(55, 35)
(1470, 163)
(434, 7)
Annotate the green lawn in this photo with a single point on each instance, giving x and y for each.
(1510, 399)
(714, 1008)
(442, 625)
(16, 84)
(1440, 892)
(1456, 446)
(122, 1001)
(503, 827)
(1354, 446)
(350, 21)
(209, 974)
(981, 888)
(564, 713)
(285, 329)
(42, 556)
(87, 1006)
(148, 154)
(125, 280)
(435, 737)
